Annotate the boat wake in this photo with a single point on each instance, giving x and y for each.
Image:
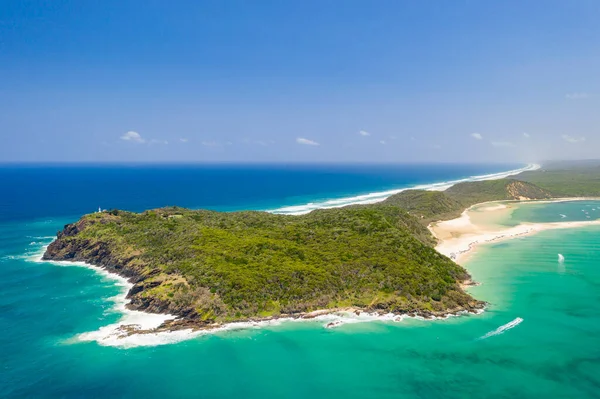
(372, 198)
(504, 328)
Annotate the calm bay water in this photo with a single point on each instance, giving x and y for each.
(553, 352)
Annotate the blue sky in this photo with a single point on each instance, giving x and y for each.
(299, 81)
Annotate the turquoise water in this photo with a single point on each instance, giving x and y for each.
(554, 352)
(568, 211)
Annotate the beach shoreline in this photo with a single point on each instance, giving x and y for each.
(372, 198)
(139, 327)
(459, 237)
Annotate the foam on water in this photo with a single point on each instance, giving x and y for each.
(380, 196)
(117, 335)
(114, 335)
(503, 328)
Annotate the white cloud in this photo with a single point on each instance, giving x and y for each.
(156, 141)
(572, 139)
(477, 136)
(392, 137)
(577, 96)
(302, 140)
(382, 142)
(133, 136)
(364, 133)
(502, 144)
(183, 140)
(526, 135)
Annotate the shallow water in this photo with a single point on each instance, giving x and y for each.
(553, 352)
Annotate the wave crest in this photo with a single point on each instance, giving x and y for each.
(372, 198)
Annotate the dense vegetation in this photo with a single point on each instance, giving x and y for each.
(494, 190)
(442, 205)
(426, 205)
(218, 266)
(209, 266)
(567, 179)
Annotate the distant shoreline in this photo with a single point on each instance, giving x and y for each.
(141, 327)
(379, 196)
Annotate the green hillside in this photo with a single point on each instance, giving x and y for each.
(212, 266)
(208, 267)
(567, 179)
(428, 206)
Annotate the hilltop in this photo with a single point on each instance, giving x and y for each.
(208, 267)
(212, 267)
(429, 206)
(567, 179)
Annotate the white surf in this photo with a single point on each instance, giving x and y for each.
(503, 329)
(381, 196)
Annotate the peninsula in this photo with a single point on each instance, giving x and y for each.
(209, 268)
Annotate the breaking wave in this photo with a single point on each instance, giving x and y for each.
(380, 196)
(122, 333)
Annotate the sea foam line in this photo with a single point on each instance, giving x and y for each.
(372, 198)
(115, 334)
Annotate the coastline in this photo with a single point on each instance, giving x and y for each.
(141, 328)
(372, 198)
(457, 238)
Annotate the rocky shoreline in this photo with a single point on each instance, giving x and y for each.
(98, 255)
(68, 247)
(185, 324)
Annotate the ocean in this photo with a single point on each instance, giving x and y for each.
(537, 338)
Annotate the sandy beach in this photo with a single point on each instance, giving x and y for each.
(479, 225)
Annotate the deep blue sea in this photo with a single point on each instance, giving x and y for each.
(46, 309)
(47, 191)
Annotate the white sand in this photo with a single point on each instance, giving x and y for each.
(458, 237)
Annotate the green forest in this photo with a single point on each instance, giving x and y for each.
(209, 266)
(227, 266)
